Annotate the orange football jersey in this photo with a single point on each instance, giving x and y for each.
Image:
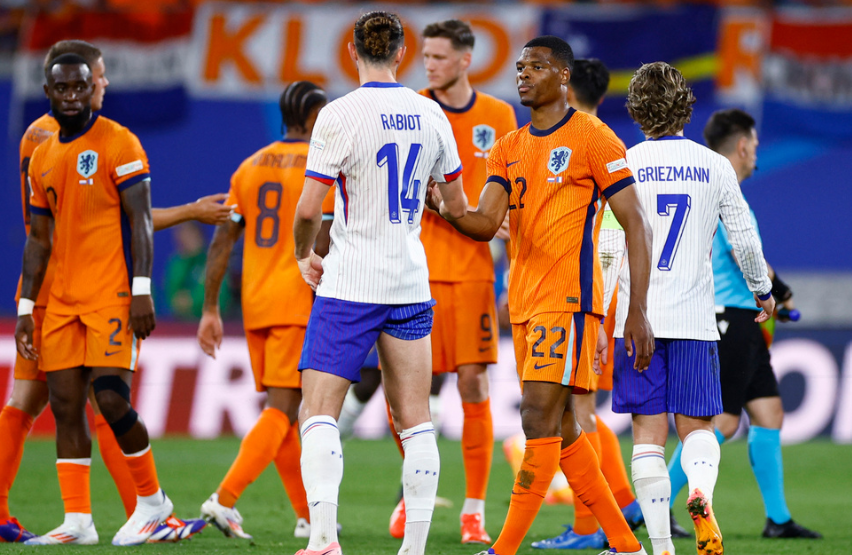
(39, 131)
(78, 181)
(266, 188)
(556, 179)
(451, 256)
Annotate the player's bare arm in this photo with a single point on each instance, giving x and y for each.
(210, 328)
(483, 223)
(207, 210)
(323, 242)
(136, 202)
(637, 330)
(306, 226)
(453, 200)
(36, 256)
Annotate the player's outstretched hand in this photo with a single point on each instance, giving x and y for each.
(24, 337)
(601, 352)
(210, 332)
(211, 210)
(433, 196)
(768, 307)
(638, 334)
(503, 232)
(142, 319)
(311, 268)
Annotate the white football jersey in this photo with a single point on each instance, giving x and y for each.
(380, 144)
(684, 188)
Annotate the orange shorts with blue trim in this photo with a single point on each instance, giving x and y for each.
(29, 369)
(557, 347)
(99, 339)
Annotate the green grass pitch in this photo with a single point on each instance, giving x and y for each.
(819, 492)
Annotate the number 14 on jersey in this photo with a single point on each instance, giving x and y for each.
(401, 197)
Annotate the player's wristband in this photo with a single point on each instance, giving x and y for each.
(141, 286)
(765, 297)
(25, 307)
(781, 290)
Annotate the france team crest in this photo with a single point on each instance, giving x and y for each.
(87, 163)
(483, 137)
(559, 158)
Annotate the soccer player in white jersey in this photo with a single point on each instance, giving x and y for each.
(684, 188)
(380, 143)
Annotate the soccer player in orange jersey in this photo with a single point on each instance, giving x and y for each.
(91, 193)
(276, 305)
(29, 391)
(552, 177)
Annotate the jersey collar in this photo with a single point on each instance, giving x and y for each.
(450, 109)
(545, 132)
(668, 138)
(378, 85)
(293, 141)
(81, 133)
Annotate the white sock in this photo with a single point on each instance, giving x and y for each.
(78, 520)
(653, 491)
(700, 461)
(435, 410)
(322, 471)
(420, 471)
(349, 413)
(152, 500)
(474, 507)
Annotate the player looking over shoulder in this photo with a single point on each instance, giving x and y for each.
(746, 375)
(551, 177)
(380, 144)
(685, 188)
(276, 304)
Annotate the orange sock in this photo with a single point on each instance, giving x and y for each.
(394, 431)
(579, 463)
(144, 472)
(116, 464)
(477, 447)
(290, 470)
(612, 465)
(541, 459)
(257, 450)
(15, 424)
(585, 522)
(74, 484)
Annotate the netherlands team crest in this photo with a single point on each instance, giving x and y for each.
(483, 137)
(559, 158)
(87, 163)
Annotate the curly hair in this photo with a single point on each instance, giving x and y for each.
(378, 36)
(659, 100)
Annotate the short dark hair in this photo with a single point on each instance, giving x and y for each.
(378, 36)
(659, 99)
(560, 50)
(459, 33)
(66, 60)
(297, 101)
(590, 80)
(725, 125)
(88, 52)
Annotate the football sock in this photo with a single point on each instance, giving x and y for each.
(394, 433)
(15, 424)
(653, 490)
(579, 463)
(764, 454)
(74, 484)
(477, 450)
(349, 413)
(144, 472)
(612, 465)
(287, 464)
(420, 470)
(116, 465)
(676, 473)
(322, 471)
(541, 460)
(436, 410)
(585, 522)
(257, 450)
(700, 460)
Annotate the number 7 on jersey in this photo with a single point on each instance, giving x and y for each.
(681, 204)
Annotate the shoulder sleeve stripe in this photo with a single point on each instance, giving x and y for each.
(619, 185)
(453, 175)
(41, 211)
(328, 180)
(130, 182)
(501, 181)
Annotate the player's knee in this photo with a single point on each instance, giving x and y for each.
(728, 426)
(113, 397)
(31, 400)
(539, 422)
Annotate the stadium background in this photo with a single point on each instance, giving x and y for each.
(199, 83)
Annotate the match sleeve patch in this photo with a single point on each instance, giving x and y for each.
(318, 144)
(619, 164)
(127, 169)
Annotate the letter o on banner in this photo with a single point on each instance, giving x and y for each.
(817, 366)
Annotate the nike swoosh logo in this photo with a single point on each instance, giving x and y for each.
(540, 366)
(512, 163)
(47, 172)
(483, 349)
(329, 551)
(110, 354)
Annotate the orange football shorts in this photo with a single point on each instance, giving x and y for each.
(98, 339)
(275, 356)
(464, 328)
